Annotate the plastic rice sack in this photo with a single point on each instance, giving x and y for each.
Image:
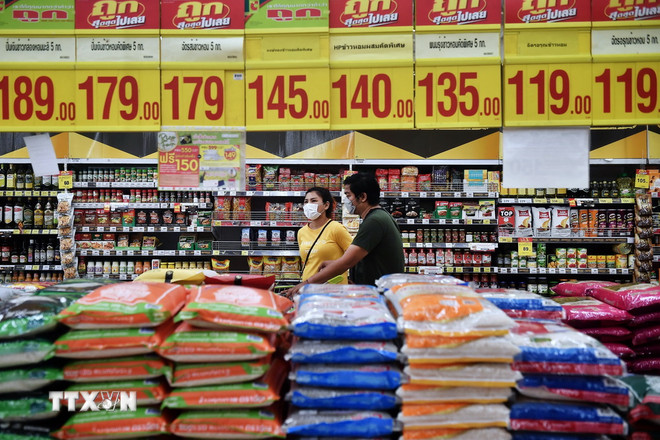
(646, 334)
(646, 365)
(521, 304)
(469, 375)
(401, 292)
(192, 375)
(147, 391)
(559, 349)
(306, 351)
(576, 388)
(556, 436)
(256, 394)
(104, 370)
(364, 424)
(584, 312)
(647, 393)
(422, 394)
(563, 417)
(448, 315)
(454, 415)
(95, 344)
(644, 319)
(650, 349)
(125, 305)
(326, 398)
(328, 316)
(75, 286)
(579, 288)
(456, 434)
(23, 409)
(16, 431)
(339, 290)
(373, 377)
(24, 352)
(635, 298)
(388, 281)
(188, 344)
(235, 307)
(6, 293)
(442, 350)
(621, 350)
(243, 424)
(27, 315)
(144, 422)
(21, 380)
(609, 334)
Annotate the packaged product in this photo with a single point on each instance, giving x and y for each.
(609, 334)
(486, 375)
(470, 211)
(520, 304)
(126, 368)
(143, 422)
(408, 183)
(455, 210)
(304, 351)
(284, 179)
(253, 177)
(290, 267)
(487, 209)
(424, 182)
(565, 417)
(448, 350)
(310, 179)
(621, 350)
(391, 280)
(506, 220)
(333, 399)
(360, 424)
(523, 221)
(393, 180)
(561, 221)
(235, 307)
(257, 394)
(25, 409)
(26, 315)
(637, 298)
(223, 207)
(222, 424)
(458, 434)
(22, 380)
(133, 304)
(272, 265)
(454, 415)
(241, 208)
(575, 388)
(256, 265)
(542, 221)
(270, 173)
(189, 344)
(192, 375)
(148, 391)
(584, 312)
(128, 218)
(423, 394)
(373, 377)
(24, 352)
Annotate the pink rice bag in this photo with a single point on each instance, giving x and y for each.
(579, 288)
(645, 319)
(635, 298)
(645, 366)
(646, 334)
(621, 350)
(608, 334)
(590, 312)
(651, 349)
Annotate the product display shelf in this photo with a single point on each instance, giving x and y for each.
(434, 270)
(474, 246)
(128, 205)
(10, 232)
(27, 193)
(154, 229)
(124, 185)
(142, 253)
(38, 267)
(566, 201)
(570, 240)
(442, 221)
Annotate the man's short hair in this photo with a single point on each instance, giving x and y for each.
(364, 183)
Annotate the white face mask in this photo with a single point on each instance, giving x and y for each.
(347, 206)
(311, 211)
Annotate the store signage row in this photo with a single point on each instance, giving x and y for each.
(322, 98)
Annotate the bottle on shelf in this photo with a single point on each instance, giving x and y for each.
(22, 256)
(18, 213)
(8, 219)
(49, 217)
(605, 189)
(20, 179)
(10, 180)
(3, 176)
(38, 215)
(30, 252)
(5, 251)
(38, 182)
(28, 214)
(50, 253)
(14, 254)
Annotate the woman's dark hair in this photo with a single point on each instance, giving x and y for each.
(364, 183)
(326, 197)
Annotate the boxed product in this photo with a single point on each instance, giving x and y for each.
(187, 242)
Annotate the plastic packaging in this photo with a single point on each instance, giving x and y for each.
(245, 424)
(521, 304)
(561, 417)
(422, 394)
(21, 380)
(438, 349)
(456, 434)
(388, 281)
(28, 315)
(362, 424)
(24, 352)
(468, 375)
(339, 290)
(333, 352)
(147, 391)
(639, 298)
(646, 334)
(590, 312)
(378, 377)
(454, 415)
(576, 388)
(325, 398)
(30, 408)
(144, 422)
(104, 370)
(609, 334)
(191, 375)
(579, 288)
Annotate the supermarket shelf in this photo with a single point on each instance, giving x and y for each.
(9, 232)
(576, 240)
(439, 194)
(126, 277)
(274, 223)
(140, 253)
(125, 185)
(40, 267)
(126, 205)
(442, 221)
(266, 193)
(565, 201)
(431, 270)
(255, 253)
(515, 271)
(472, 246)
(28, 193)
(144, 229)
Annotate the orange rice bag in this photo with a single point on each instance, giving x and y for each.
(145, 422)
(222, 424)
(190, 375)
(103, 370)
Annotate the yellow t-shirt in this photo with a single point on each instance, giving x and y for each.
(330, 246)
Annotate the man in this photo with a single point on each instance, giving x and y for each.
(377, 248)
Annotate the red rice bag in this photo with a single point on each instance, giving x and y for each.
(635, 298)
(125, 305)
(645, 319)
(621, 350)
(189, 344)
(223, 424)
(646, 334)
(590, 312)
(579, 288)
(235, 307)
(190, 375)
(148, 391)
(242, 395)
(608, 334)
(650, 365)
(257, 281)
(103, 370)
(651, 349)
(144, 422)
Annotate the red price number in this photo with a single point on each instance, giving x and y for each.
(194, 98)
(33, 98)
(456, 96)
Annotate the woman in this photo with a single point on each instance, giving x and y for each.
(322, 239)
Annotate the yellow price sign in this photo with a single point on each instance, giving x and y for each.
(372, 98)
(65, 180)
(36, 100)
(458, 96)
(118, 99)
(642, 181)
(626, 93)
(295, 99)
(200, 97)
(550, 94)
(525, 247)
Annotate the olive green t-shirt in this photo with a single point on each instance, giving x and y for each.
(380, 236)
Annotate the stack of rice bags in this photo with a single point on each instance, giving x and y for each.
(28, 327)
(115, 330)
(344, 374)
(225, 377)
(644, 417)
(459, 359)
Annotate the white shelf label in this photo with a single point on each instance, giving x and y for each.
(612, 271)
(197, 253)
(405, 194)
(503, 270)
(139, 229)
(273, 223)
(574, 271)
(119, 253)
(112, 229)
(46, 267)
(410, 221)
(163, 229)
(455, 222)
(232, 193)
(449, 245)
(524, 200)
(200, 228)
(106, 275)
(419, 245)
(83, 253)
(96, 253)
(428, 245)
(85, 228)
(423, 194)
(190, 229)
(514, 270)
(595, 271)
(125, 229)
(542, 270)
(123, 276)
(533, 270)
(562, 270)
(151, 229)
(182, 253)
(164, 205)
(176, 228)
(425, 221)
(130, 253)
(625, 271)
(457, 194)
(442, 221)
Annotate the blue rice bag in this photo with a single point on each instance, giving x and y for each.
(373, 377)
(325, 398)
(340, 352)
(339, 424)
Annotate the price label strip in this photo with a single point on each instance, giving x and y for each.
(278, 98)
